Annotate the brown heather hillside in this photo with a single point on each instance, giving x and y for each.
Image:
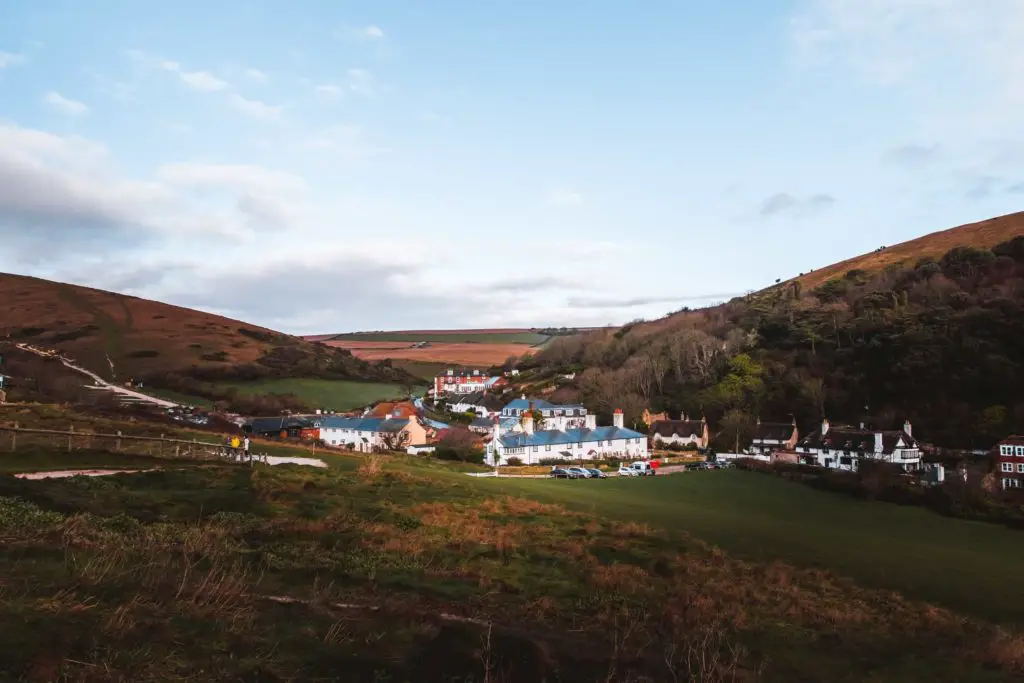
(982, 235)
(148, 339)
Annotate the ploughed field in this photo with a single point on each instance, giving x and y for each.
(397, 569)
(479, 348)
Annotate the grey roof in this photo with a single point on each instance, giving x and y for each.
(850, 439)
(540, 404)
(264, 425)
(365, 424)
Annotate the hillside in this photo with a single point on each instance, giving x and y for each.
(937, 339)
(124, 337)
(983, 235)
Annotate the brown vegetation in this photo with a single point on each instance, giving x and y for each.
(461, 353)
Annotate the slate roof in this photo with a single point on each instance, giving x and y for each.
(540, 404)
(1012, 440)
(853, 439)
(551, 437)
(265, 425)
(482, 423)
(479, 398)
(364, 424)
(776, 431)
(669, 428)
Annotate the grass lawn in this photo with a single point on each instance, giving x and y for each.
(530, 338)
(141, 576)
(973, 567)
(323, 393)
(424, 370)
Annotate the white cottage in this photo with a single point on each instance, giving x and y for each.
(589, 442)
(842, 447)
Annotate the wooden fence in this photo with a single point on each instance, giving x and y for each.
(158, 446)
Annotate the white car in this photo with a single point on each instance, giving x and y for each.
(626, 471)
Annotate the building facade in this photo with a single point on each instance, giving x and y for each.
(682, 432)
(482, 403)
(1010, 462)
(771, 437)
(553, 416)
(843, 448)
(580, 443)
(454, 381)
(372, 434)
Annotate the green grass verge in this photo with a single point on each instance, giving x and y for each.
(529, 338)
(423, 370)
(164, 575)
(323, 393)
(973, 567)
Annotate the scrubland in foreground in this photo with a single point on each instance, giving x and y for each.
(388, 570)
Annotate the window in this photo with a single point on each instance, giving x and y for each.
(1020, 468)
(1020, 450)
(1004, 450)
(1007, 467)
(1009, 483)
(547, 448)
(535, 449)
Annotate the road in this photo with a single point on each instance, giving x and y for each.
(99, 381)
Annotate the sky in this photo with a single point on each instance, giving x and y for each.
(325, 166)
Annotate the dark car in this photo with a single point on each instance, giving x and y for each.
(596, 473)
(559, 473)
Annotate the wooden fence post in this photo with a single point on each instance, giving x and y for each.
(71, 435)
(160, 446)
(14, 438)
(118, 446)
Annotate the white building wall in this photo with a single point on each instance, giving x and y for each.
(676, 439)
(343, 437)
(629, 449)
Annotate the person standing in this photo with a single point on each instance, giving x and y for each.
(245, 447)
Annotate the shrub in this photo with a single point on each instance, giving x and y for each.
(514, 461)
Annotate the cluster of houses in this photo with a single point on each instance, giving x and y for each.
(531, 430)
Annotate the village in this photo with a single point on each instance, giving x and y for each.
(521, 430)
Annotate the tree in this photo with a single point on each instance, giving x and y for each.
(737, 430)
(394, 441)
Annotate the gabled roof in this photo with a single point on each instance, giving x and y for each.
(774, 431)
(540, 404)
(365, 424)
(1012, 440)
(552, 437)
(852, 439)
(669, 428)
(275, 424)
(481, 399)
(386, 409)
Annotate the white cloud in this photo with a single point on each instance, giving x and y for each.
(565, 198)
(920, 43)
(361, 81)
(329, 90)
(373, 32)
(256, 75)
(256, 109)
(203, 81)
(64, 104)
(8, 59)
(244, 177)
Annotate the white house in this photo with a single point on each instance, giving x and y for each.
(479, 402)
(842, 447)
(682, 432)
(372, 434)
(589, 442)
(770, 437)
(572, 416)
(463, 382)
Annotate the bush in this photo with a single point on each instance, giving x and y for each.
(514, 462)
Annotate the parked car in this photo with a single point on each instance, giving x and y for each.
(627, 471)
(641, 468)
(597, 474)
(581, 472)
(566, 473)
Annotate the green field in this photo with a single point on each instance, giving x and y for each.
(973, 567)
(125, 574)
(421, 369)
(323, 393)
(530, 338)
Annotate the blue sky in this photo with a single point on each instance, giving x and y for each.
(325, 166)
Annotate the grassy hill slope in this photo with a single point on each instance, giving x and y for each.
(983, 234)
(119, 337)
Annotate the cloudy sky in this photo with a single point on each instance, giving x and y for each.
(320, 166)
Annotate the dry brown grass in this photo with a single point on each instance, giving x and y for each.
(983, 234)
(471, 354)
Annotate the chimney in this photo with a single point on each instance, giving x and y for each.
(522, 396)
(396, 413)
(618, 419)
(590, 421)
(528, 423)
(907, 428)
(878, 442)
(824, 427)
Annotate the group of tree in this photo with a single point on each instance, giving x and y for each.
(938, 341)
